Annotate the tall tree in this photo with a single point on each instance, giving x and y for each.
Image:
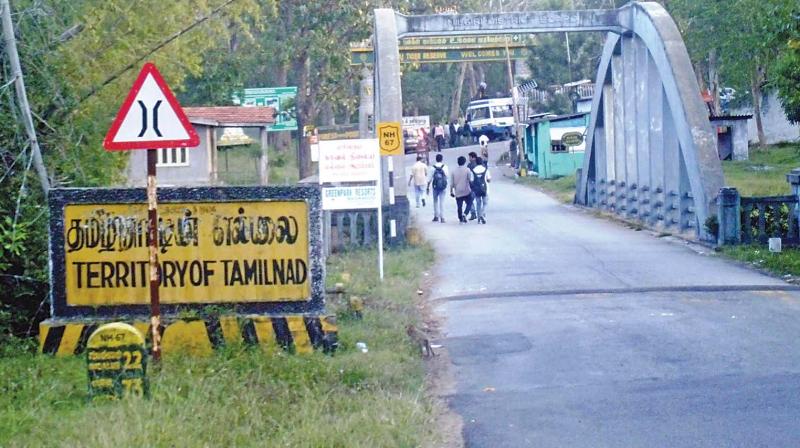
(743, 38)
(787, 71)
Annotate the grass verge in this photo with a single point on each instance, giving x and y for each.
(561, 188)
(765, 173)
(245, 396)
(787, 262)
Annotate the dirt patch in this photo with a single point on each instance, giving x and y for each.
(440, 382)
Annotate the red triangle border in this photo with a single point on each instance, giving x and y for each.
(150, 69)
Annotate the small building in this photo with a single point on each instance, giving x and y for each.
(546, 154)
(201, 165)
(731, 134)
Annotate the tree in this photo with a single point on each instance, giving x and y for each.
(742, 36)
(787, 72)
(79, 58)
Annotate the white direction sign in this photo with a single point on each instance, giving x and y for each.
(354, 160)
(350, 198)
(150, 117)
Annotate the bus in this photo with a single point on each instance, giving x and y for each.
(492, 117)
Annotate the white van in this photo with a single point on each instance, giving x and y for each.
(493, 117)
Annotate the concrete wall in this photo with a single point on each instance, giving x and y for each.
(196, 173)
(776, 126)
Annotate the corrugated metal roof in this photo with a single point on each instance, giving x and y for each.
(231, 115)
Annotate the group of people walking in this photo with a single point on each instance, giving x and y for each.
(468, 184)
(445, 135)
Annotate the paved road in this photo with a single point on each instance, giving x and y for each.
(569, 330)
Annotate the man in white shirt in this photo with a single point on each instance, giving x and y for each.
(438, 136)
(484, 141)
(419, 177)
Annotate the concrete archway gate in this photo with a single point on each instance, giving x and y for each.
(651, 154)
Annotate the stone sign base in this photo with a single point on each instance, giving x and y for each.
(200, 336)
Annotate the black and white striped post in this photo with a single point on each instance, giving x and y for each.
(392, 222)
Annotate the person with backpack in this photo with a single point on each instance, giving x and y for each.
(461, 189)
(438, 180)
(480, 188)
(472, 163)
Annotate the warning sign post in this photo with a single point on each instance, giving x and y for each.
(151, 118)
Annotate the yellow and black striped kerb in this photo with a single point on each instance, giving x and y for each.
(295, 334)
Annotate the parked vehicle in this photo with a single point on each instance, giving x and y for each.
(410, 140)
(493, 117)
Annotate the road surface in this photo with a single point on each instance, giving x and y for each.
(565, 329)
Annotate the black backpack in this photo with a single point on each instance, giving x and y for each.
(439, 178)
(479, 183)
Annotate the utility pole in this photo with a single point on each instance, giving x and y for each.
(22, 96)
(515, 111)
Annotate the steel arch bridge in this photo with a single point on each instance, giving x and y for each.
(651, 153)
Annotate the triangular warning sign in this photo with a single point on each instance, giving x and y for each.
(150, 117)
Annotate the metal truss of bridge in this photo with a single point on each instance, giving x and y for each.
(651, 155)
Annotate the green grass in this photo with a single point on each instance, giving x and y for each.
(562, 188)
(765, 173)
(240, 167)
(783, 263)
(245, 397)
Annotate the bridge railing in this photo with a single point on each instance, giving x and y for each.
(768, 217)
(347, 229)
(352, 229)
(749, 220)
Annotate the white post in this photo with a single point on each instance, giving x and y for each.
(380, 215)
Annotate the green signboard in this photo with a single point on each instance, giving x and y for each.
(366, 56)
(282, 99)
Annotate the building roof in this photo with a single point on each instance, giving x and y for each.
(538, 118)
(236, 116)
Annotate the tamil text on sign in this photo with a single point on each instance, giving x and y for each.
(117, 362)
(210, 252)
(355, 160)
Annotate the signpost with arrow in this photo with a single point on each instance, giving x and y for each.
(151, 118)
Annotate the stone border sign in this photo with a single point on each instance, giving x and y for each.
(117, 362)
(243, 249)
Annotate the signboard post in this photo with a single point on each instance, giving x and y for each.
(242, 260)
(157, 122)
(356, 160)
